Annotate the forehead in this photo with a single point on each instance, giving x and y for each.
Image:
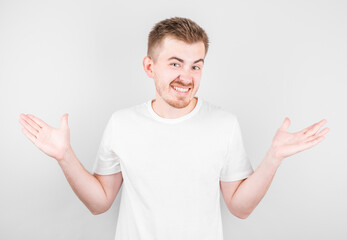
(173, 47)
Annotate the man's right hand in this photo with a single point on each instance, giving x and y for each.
(97, 192)
(54, 142)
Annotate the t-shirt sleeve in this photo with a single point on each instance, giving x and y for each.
(107, 161)
(236, 165)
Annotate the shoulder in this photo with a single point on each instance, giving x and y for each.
(219, 113)
(127, 113)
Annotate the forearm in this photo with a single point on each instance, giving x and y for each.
(86, 186)
(252, 190)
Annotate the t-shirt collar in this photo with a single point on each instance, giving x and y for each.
(174, 120)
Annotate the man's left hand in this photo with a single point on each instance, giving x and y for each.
(285, 144)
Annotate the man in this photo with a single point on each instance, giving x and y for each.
(173, 153)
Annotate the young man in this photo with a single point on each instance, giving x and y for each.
(174, 153)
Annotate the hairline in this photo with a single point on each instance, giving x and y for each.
(159, 45)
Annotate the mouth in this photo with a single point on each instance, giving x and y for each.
(181, 90)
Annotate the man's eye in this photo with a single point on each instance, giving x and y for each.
(174, 63)
(197, 68)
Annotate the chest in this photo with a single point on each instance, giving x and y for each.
(193, 153)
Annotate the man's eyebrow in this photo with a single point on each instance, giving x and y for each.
(181, 60)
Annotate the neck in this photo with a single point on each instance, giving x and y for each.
(164, 110)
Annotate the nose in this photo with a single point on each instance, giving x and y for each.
(186, 75)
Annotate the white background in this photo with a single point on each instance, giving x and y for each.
(267, 60)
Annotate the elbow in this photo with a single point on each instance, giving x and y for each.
(245, 214)
(98, 211)
(242, 216)
(95, 212)
(241, 212)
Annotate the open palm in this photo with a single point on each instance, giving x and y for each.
(52, 141)
(287, 144)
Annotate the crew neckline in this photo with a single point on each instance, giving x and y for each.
(174, 120)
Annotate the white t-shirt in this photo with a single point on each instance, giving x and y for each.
(171, 170)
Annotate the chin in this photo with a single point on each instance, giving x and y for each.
(179, 103)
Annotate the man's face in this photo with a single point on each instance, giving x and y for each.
(178, 65)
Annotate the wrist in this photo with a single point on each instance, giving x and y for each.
(66, 156)
(273, 157)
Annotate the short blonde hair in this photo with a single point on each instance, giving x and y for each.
(179, 28)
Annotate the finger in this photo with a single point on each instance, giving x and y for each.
(37, 120)
(28, 127)
(31, 122)
(303, 131)
(285, 124)
(308, 128)
(29, 136)
(314, 128)
(314, 142)
(321, 133)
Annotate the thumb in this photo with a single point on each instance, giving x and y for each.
(285, 124)
(64, 122)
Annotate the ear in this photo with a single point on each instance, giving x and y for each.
(148, 66)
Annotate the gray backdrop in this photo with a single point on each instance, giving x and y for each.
(267, 60)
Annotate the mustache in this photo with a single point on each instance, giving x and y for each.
(182, 84)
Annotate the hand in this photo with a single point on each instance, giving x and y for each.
(285, 144)
(52, 141)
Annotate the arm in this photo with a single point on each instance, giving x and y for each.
(243, 196)
(97, 192)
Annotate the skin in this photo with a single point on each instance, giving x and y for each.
(98, 192)
(183, 72)
(243, 196)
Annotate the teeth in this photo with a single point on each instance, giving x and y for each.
(181, 89)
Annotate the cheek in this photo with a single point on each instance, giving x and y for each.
(165, 71)
(168, 76)
(171, 73)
